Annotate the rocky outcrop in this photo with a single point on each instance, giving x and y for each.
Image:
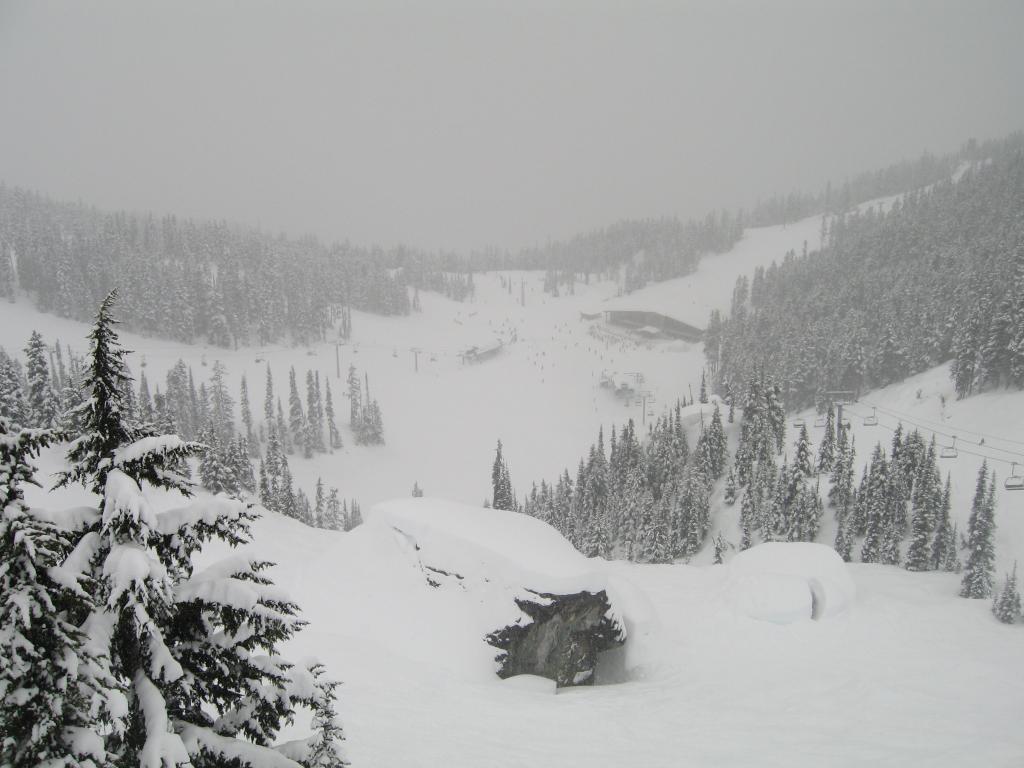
(560, 638)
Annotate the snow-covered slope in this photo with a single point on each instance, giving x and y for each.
(908, 675)
(988, 427)
(540, 395)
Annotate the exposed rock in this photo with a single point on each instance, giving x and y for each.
(561, 638)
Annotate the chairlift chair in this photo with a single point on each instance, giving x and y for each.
(872, 420)
(799, 424)
(1015, 480)
(949, 451)
(820, 421)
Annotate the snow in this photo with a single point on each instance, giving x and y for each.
(692, 297)
(787, 581)
(207, 509)
(129, 566)
(145, 446)
(483, 544)
(162, 748)
(909, 675)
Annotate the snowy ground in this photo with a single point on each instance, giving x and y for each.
(911, 675)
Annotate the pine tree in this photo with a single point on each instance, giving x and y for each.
(268, 402)
(826, 451)
(501, 484)
(703, 388)
(108, 432)
(188, 693)
(41, 400)
(747, 518)
(246, 411)
(978, 573)
(730, 487)
(52, 689)
(315, 409)
(296, 418)
(333, 518)
(145, 400)
(355, 401)
(332, 428)
(417, 492)
(943, 552)
(214, 472)
(320, 505)
(1007, 605)
(222, 406)
(12, 397)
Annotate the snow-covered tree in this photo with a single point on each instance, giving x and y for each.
(195, 651)
(54, 694)
(1007, 603)
(333, 435)
(978, 572)
(43, 408)
(501, 484)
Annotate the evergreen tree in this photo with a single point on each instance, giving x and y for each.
(268, 402)
(747, 519)
(52, 689)
(222, 406)
(42, 405)
(501, 484)
(334, 519)
(296, 418)
(315, 409)
(978, 573)
(943, 552)
(188, 693)
(320, 505)
(108, 431)
(332, 428)
(1007, 604)
(730, 487)
(417, 492)
(145, 400)
(216, 472)
(12, 398)
(826, 451)
(243, 401)
(355, 401)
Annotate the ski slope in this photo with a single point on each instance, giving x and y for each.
(908, 674)
(540, 395)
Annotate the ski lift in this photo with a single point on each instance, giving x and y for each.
(1015, 480)
(949, 451)
(845, 423)
(872, 420)
(820, 421)
(799, 424)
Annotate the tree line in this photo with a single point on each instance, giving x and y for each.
(48, 389)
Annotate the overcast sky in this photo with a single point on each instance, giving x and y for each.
(462, 124)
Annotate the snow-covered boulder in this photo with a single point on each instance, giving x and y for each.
(784, 582)
(561, 638)
(532, 595)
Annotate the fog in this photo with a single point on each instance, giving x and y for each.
(463, 124)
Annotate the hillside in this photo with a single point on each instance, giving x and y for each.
(700, 682)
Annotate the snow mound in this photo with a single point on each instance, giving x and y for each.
(482, 545)
(786, 582)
